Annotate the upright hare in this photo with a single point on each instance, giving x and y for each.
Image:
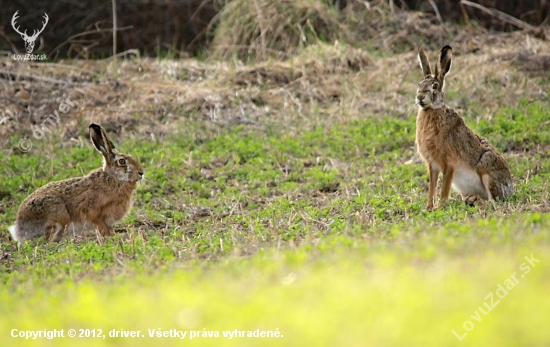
(101, 198)
(447, 145)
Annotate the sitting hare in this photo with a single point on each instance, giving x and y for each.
(101, 198)
(447, 145)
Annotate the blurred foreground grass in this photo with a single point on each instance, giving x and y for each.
(337, 292)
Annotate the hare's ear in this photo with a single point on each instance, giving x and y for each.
(424, 63)
(444, 64)
(101, 141)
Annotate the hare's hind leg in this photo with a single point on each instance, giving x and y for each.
(54, 231)
(486, 179)
(432, 185)
(103, 228)
(57, 222)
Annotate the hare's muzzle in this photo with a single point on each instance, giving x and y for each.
(421, 100)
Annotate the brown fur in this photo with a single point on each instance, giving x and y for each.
(447, 145)
(101, 198)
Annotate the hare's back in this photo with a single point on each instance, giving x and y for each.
(48, 198)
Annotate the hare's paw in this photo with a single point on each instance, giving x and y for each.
(475, 200)
(471, 200)
(108, 231)
(429, 206)
(441, 205)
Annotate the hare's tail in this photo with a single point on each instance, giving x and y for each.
(508, 189)
(24, 230)
(504, 189)
(14, 231)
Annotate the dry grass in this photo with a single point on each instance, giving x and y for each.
(320, 84)
(257, 29)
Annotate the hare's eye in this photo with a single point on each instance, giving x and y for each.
(122, 161)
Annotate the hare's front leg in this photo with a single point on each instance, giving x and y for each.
(448, 173)
(432, 186)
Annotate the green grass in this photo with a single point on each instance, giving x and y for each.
(318, 233)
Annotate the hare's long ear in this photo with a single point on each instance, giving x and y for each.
(101, 141)
(443, 64)
(424, 63)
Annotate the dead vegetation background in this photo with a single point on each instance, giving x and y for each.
(83, 29)
(298, 64)
(252, 29)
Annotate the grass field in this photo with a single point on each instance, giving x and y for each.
(284, 199)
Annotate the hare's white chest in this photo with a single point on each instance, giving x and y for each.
(467, 182)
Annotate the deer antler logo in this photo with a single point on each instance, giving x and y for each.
(29, 40)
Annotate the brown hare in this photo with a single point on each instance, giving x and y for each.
(447, 145)
(101, 198)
